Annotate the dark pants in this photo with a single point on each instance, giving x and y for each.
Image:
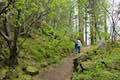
(77, 49)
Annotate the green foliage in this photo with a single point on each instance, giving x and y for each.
(46, 26)
(106, 35)
(105, 65)
(48, 46)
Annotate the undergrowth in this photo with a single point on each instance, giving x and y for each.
(104, 64)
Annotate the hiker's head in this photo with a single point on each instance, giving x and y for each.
(78, 39)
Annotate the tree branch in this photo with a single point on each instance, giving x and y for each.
(4, 36)
(4, 9)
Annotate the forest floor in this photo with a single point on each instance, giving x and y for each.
(63, 71)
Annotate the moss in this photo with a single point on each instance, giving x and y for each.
(23, 77)
(31, 70)
(88, 65)
(44, 64)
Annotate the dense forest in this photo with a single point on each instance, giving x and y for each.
(37, 34)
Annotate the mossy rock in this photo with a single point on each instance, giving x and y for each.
(11, 74)
(82, 57)
(31, 70)
(44, 64)
(24, 77)
(88, 65)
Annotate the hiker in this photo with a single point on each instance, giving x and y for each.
(78, 45)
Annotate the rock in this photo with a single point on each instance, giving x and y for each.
(44, 64)
(31, 70)
(10, 75)
(88, 65)
(77, 64)
(23, 77)
(83, 58)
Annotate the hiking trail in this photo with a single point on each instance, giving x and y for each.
(61, 71)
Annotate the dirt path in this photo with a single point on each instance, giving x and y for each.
(61, 71)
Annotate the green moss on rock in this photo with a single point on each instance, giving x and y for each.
(31, 70)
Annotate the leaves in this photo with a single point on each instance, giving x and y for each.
(20, 4)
